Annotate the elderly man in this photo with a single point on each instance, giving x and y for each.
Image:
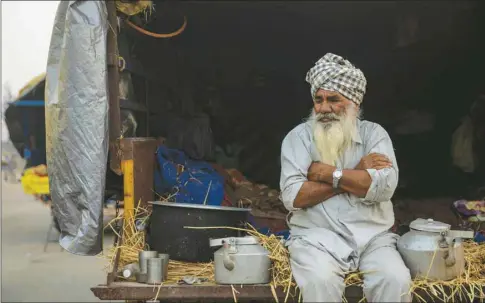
(338, 174)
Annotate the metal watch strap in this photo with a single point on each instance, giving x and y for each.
(336, 181)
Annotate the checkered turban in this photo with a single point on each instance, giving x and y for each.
(334, 73)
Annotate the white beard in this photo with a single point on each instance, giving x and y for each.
(333, 138)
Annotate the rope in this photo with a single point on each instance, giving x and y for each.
(155, 35)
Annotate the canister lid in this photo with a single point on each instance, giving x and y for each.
(248, 240)
(429, 225)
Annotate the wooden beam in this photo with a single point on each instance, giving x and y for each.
(223, 293)
(138, 161)
(138, 156)
(188, 293)
(113, 88)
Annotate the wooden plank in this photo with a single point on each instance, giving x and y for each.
(268, 214)
(137, 291)
(187, 293)
(113, 88)
(142, 152)
(112, 275)
(138, 159)
(200, 293)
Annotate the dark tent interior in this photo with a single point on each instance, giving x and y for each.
(244, 64)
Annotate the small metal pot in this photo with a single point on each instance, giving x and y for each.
(143, 257)
(169, 235)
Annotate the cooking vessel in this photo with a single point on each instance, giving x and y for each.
(167, 232)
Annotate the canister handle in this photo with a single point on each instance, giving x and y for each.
(220, 241)
(228, 250)
(248, 240)
(449, 252)
(227, 255)
(463, 234)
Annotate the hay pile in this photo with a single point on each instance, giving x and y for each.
(135, 8)
(177, 270)
(468, 286)
(133, 239)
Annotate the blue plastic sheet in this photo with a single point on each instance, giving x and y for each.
(188, 181)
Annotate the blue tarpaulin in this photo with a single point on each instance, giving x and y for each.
(28, 103)
(188, 181)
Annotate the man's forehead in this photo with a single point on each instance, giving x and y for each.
(328, 93)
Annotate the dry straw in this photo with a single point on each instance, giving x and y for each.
(133, 240)
(468, 286)
(135, 8)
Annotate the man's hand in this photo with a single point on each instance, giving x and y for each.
(374, 161)
(313, 172)
(316, 190)
(317, 171)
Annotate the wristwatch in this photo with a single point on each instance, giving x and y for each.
(337, 174)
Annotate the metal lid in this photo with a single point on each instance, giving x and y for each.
(126, 273)
(247, 240)
(198, 206)
(429, 225)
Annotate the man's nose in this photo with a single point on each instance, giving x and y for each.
(324, 108)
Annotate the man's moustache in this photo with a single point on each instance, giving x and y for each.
(329, 116)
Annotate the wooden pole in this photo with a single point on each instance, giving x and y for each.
(113, 88)
(112, 54)
(138, 164)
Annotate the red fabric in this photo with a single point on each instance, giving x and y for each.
(226, 201)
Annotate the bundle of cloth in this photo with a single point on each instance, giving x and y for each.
(470, 209)
(35, 181)
(472, 214)
(240, 192)
(256, 196)
(183, 180)
(268, 214)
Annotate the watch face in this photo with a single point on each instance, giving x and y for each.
(337, 174)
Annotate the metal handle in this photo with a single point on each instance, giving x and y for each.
(227, 257)
(463, 234)
(449, 254)
(220, 241)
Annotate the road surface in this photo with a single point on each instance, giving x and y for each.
(29, 274)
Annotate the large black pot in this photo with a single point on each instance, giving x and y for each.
(168, 235)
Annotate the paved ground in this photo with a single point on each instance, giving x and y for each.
(29, 274)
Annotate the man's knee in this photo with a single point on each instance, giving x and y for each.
(397, 276)
(315, 272)
(323, 286)
(323, 278)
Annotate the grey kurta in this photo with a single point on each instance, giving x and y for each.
(344, 232)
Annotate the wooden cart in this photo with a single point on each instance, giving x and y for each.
(134, 159)
(215, 293)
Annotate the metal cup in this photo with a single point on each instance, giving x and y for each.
(143, 257)
(165, 258)
(154, 267)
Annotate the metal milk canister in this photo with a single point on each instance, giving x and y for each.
(430, 249)
(241, 260)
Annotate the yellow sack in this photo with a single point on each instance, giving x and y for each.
(34, 184)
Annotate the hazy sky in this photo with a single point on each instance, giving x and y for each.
(26, 33)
